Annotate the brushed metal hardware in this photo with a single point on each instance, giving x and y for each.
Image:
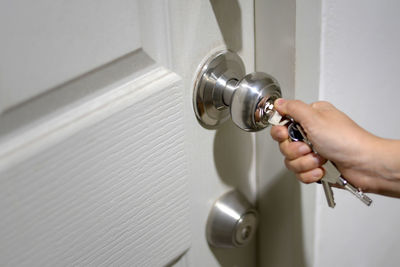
(232, 221)
(222, 89)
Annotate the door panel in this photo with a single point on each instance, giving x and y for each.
(48, 43)
(105, 163)
(100, 197)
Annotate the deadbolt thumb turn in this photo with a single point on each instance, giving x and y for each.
(222, 89)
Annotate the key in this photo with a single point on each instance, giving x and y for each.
(355, 191)
(328, 193)
(297, 134)
(332, 176)
(277, 119)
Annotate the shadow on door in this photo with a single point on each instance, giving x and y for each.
(280, 228)
(279, 203)
(234, 157)
(229, 18)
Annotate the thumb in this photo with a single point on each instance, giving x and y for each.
(298, 110)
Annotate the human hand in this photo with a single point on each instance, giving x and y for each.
(337, 138)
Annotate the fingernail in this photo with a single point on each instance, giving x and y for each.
(316, 173)
(279, 101)
(304, 149)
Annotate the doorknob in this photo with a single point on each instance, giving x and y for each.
(232, 221)
(222, 90)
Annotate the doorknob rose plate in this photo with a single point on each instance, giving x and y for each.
(222, 90)
(211, 80)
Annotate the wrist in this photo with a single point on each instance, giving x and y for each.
(386, 156)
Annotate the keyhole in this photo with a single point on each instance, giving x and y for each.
(246, 231)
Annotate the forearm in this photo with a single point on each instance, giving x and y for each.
(383, 171)
(389, 158)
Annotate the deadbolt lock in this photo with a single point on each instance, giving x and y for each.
(232, 221)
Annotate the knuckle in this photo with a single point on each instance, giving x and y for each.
(315, 105)
(290, 152)
(321, 105)
(292, 106)
(274, 133)
(304, 164)
(326, 103)
(278, 133)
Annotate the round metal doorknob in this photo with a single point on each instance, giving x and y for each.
(232, 221)
(222, 90)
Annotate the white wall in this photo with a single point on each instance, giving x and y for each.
(358, 68)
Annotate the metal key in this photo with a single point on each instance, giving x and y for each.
(332, 176)
(296, 133)
(328, 193)
(355, 191)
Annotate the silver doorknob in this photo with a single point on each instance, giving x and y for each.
(222, 89)
(232, 221)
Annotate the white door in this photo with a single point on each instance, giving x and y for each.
(102, 161)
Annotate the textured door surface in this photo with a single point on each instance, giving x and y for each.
(102, 161)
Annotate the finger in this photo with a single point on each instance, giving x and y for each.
(279, 133)
(305, 163)
(298, 110)
(322, 105)
(294, 150)
(310, 176)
